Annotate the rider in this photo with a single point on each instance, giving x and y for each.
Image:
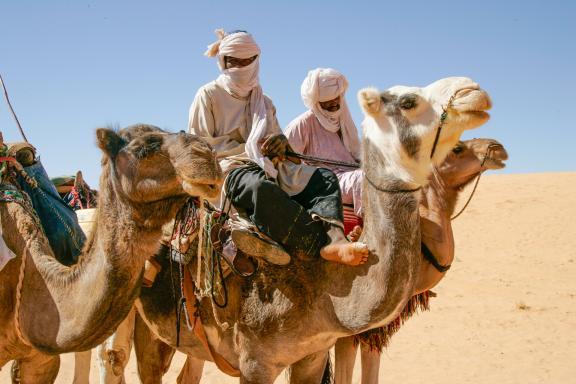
(326, 130)
(296, 205)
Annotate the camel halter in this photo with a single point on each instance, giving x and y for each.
(443, 118)
(489, 150)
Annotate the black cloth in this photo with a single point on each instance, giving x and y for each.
(287, 219)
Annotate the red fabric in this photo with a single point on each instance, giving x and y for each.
(350, 219)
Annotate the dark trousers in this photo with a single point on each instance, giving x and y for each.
(287, 219)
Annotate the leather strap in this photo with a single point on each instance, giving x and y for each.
(429, 256)
(218, 359)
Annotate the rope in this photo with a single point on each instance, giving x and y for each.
(12, 109)
(488, 151)
(185, 223)
(19, 295)
(381, 189)
(469, 198)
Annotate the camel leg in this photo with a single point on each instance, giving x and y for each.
(38, 368)
(310, 370)
(191, 372)
(82, 367)
(344, 360)
(152, 354)
(370, 365)
(15, 371)
(114, 353)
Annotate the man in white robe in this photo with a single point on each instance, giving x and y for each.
(239, 121)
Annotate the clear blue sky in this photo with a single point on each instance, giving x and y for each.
(73, 66)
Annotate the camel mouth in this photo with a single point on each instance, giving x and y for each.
(497, 157)
(473, 102)
(492, 163)
(478, 114)
(201, 188)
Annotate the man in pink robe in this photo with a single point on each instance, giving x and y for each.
(327, 131)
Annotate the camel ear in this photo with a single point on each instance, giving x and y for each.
(109, 141)
(369, 99)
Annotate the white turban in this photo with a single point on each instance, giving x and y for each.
(323, 84)
(241, 82)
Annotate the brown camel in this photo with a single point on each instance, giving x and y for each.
(462, 166)
(147, 174)
(292, 315)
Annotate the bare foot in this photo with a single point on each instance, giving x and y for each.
(345, 252)
(355, 233)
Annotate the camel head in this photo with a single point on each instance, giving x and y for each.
(470, 158)
(402, 123)
(149, 165)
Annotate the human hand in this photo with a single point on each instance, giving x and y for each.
(275, 146)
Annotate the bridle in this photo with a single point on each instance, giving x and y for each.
(489, 150)
(443, 118)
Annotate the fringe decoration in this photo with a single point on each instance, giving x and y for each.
(378, 338)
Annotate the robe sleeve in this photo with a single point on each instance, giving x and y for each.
(273, 125)
(201, 122)
(297, 138)
(201, 117)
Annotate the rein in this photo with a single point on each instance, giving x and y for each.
(381, 189)
(443, 118)
(349, 165)
(12, 109)
(488, 152)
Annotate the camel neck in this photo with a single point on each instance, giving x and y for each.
(82, 303)
(392, 233)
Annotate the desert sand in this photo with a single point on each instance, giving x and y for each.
(505, 313)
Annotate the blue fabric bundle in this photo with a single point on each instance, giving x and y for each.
(58, 220)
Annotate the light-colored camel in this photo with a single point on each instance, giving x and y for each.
(463, 165)
(48, 308)
(291, 315)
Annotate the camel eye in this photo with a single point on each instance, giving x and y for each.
(407, 102)
(149, 145)
(458, 149)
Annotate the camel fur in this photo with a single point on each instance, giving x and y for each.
(49, 308)
(291, 315)
(467, 161)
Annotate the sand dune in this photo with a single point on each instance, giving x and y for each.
(506, 312)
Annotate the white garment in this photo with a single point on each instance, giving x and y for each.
(323, 84)
(6, 253)
(243, 82)
(224, 121)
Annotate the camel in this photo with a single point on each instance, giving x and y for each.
(462, 166)
(291, 315)
(147, 175)
(467, 160)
